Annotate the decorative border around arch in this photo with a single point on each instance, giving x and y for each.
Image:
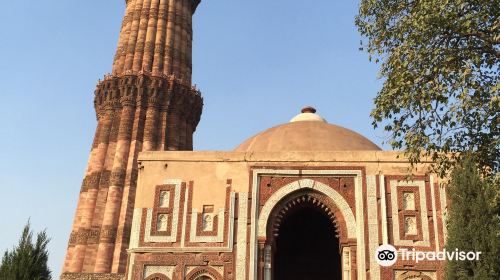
(342, 204)
(204, 270)
(306, 198)
(159, 275)
(357, 234)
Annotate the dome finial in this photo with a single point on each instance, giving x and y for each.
(308, 113)
(308, 109)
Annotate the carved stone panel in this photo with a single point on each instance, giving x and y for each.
(164, 200)
(408, 201)
(162, 222)
(410, 225)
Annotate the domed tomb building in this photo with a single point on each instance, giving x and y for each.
(302, 200)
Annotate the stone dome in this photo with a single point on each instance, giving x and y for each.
(307, 132)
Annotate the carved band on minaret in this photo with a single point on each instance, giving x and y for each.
(147, 103)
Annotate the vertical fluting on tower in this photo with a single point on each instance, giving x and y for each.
(156, 38)
(147, 103)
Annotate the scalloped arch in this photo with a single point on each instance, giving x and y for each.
(279, 195)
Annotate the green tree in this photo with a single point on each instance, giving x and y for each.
(27, 261)
(440, 66)
(474, 222)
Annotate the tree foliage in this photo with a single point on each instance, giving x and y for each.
(27, 261)
(474, 222)
(440, 64)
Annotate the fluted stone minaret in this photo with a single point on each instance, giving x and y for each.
(147, 103)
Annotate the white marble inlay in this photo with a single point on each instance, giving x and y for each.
(152, 269)
(162, 222)
(134, 237)
(372, 213)
(410, 226)
(241, 242)
(207, 221)
(220, 231)
(219, 238)
(346, 263)
(164, 199)
(394, 184)
(383, 210)
(175, 217)
(408, 201)
(136, 228)
(434, 213)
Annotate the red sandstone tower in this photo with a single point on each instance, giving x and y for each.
(147, 103)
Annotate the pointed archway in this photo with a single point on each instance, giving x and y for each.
(306, 246)
(326, 210)
(304, 239)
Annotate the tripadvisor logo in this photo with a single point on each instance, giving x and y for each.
(387, 255)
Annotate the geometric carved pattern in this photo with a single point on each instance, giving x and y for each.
(163, 207)
(157, 276)
(409, 219)
(180, 265)
(214, 233)
(92, 276)
(202, 272)
(373, 221)
(346, 263)
(161, 222)
(410, 227)
(242, 236)
(222, 227)
(143, 241)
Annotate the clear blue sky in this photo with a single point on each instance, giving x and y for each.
(257, 63)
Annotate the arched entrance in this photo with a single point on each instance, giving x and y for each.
(283, 225)
(306, 247)
(303, 239)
